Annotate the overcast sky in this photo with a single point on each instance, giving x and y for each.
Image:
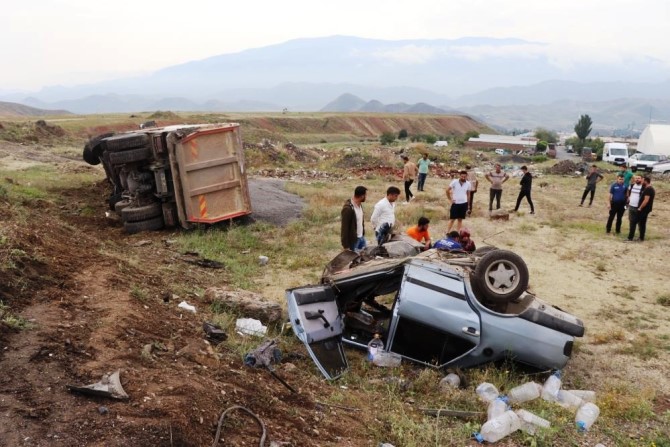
(66, 42)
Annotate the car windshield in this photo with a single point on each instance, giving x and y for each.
(650, 157)
(618, 151)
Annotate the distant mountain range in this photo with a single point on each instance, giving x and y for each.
(14, 109)
(509, 83)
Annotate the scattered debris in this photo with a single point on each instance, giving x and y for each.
(214, 333)
(237, 407)
(194, 258)
(250, 326)
(437, 412)
(264, 356)
(263, 260)
(108, 386)
(186, 306)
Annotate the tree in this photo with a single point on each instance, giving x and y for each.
(431, 139)
(541, 146)
(387, 138)
(402, 134)
(583, 127)
(546, 135)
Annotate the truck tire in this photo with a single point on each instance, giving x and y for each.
(94, 148)
(89, 157)
(139, 213)
(152, 224)
(500, 276)
(126, 141)
(121, 205)
(129, 156)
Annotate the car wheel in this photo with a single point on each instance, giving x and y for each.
(155, 223)
(500, 276)
(129, 156)
(139, 213)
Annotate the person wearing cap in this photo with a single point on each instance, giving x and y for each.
(466, 242)
(526, 184)
(458, 194)
(409, 173)
(419, 232)
(352, 231)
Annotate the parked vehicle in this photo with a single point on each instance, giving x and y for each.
(441, 143)
(615, 153)
(500, 151)
(588, 154)
(447, 310)
(176, 175)
(661, 168)
(645, 162)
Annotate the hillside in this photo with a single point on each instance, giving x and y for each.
(14, 109)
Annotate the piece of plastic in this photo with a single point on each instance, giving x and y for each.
(525, 392)
(184, 305)
(487, 392)
(586, 416)
(250, 326)
(451, 380)
(497, 428)
(530, 422)
(263, 260)
(375, 345)
(568, 400)
(586, 395)
(497, 407)
(387, 359)
(551, 387)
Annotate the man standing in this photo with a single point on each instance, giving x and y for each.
(420, 233)
(634, 195)
(646, 205)
(424, 164)
(458, 194)
(627, 176)
(383, 215)
(496, 177)
(409, 173)
(474, 182)
(592, 178)
(526, 184)
(616, 204)
(352, 232)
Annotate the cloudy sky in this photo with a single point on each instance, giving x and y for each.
(67, 42)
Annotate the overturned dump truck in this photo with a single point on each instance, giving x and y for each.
(176, 175)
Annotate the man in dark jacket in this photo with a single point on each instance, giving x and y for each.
(526, 184)
(352, 231)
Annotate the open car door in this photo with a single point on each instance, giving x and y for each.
(317, 322)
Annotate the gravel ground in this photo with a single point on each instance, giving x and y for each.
(272, 203)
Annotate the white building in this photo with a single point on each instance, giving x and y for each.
(655, 139)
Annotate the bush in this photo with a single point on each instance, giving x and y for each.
(387, 138)
(402, 134)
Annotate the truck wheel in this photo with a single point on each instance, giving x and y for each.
(89, 157)
(126, 141)
(500, 276)
(155, 223)
(121, 205)
(129, 156)
(139, 213)
(93, 149)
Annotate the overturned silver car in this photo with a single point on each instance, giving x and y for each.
(444, 310)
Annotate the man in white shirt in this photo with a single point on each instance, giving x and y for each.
(634, 195)
(383, 215)
(458, 194)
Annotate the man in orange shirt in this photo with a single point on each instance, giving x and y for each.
(420, 232)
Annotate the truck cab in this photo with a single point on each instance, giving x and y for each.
(616, 153)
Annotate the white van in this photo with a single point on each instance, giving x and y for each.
(616, 153)
(441, 143)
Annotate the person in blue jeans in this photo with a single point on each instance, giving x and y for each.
(616, 204)
(423, 165)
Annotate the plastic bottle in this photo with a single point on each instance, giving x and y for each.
(551, 387)
(386, 359)
(497, 407)
(487, 392)
(451, 380)
(375, 345)
(497, 428)
(586, 395)
(524, 393)
(530, 422)
(586, 416)
(568, 400)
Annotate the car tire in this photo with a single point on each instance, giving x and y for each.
(153, 224)
(126, 141)
(139, 213)
(129, 156)
(500, 276)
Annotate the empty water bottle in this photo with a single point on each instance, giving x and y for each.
(551, 387)
(497, 428)
(530, 422)
(523, 393)
(568, 400)
(451, 380)
(375, 345)
(586, 416)
(487, 391)
(586, 395)
(497, 407)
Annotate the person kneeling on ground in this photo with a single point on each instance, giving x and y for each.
(420, 233)
(467, 243)
(450, 243)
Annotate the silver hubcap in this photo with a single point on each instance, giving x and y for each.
(502, 276)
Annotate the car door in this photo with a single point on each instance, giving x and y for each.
(316, 321)
(433, 323)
